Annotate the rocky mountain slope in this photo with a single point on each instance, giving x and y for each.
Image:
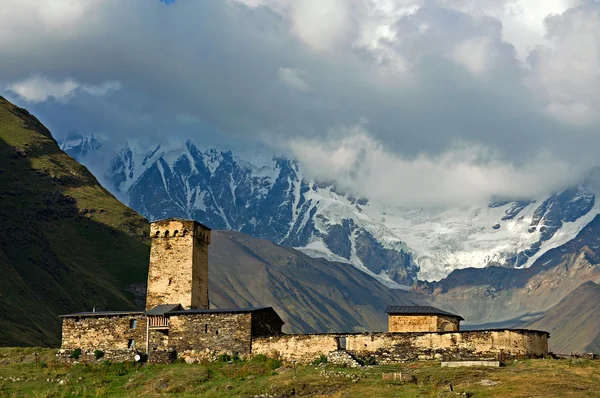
(269, 197)
(502, 297)
(65, 242)
(573, 323)
(310, 294)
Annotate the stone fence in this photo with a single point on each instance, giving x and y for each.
(398, 347)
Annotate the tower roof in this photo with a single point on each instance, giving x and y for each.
(180, 220)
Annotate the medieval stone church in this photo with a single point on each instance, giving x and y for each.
(178, 322)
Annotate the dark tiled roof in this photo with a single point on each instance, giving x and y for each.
(221, 310)
(100, 313)
(418, 310)
(163, 309)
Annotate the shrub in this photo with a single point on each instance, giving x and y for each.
(322, 359)
(370, 361)
(106, 363)
(76, 353)
(224, 358)
(98, 354)
(274, 364)
(260, 358)
(43, 365)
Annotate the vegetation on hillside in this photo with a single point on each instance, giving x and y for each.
(24, 374)
(66, 244)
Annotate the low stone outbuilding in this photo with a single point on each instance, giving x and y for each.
(412, 318)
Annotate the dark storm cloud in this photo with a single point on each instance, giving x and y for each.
(310, 73)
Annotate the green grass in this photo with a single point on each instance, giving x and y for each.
(66, 244)
(262, 376)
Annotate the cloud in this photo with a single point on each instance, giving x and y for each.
(39, 88)
(465, 173)
(480, 93)
(565, 73)
(293, 78)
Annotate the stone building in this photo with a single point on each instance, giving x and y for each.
(413, 318)
(177, 321)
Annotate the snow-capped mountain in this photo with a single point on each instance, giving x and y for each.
(269, 197)
(79, 145)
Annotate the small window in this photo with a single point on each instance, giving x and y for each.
(206, 328)
(133, 324)
(157, 234)
(166, 234)
(216, 332)
(176, 233)
(131, 344)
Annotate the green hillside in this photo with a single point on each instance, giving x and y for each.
(66, 244)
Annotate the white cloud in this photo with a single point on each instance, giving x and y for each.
(465, 173)
(474, 54)
(39, 88)
(565, 73)
(294, 78)
(321, 24)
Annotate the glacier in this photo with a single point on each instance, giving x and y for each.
(268, 196)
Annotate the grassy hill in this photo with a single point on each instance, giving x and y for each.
(66, 243)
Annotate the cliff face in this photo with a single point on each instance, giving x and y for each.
(66, 244)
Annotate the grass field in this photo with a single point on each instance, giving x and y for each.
(22, 374)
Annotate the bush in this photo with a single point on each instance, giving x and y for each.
(43, 365)
(260, 358)
(76, 353)
(274, 363)
(98, 354)
(224, 358)
(322, 359)
(106, 363)
(370, 361)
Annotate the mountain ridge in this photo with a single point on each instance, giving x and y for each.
(270, 197)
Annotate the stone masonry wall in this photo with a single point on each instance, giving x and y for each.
(204, 336)
(397, 347)
(421, 323)
(103, 332)
(178, 272)
(265, 323)
(447, 323)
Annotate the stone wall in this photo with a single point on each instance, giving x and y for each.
(397, 347)
(204, 336)
(178, 272)
(422, 323)
(266, 323)
(104, 332)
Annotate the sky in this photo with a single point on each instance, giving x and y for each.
(410, 102)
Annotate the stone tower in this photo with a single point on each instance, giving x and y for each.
(178, 272)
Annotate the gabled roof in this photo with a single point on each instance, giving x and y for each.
(419, 310)
(100, 313)
(163, 309)
(222, 310)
